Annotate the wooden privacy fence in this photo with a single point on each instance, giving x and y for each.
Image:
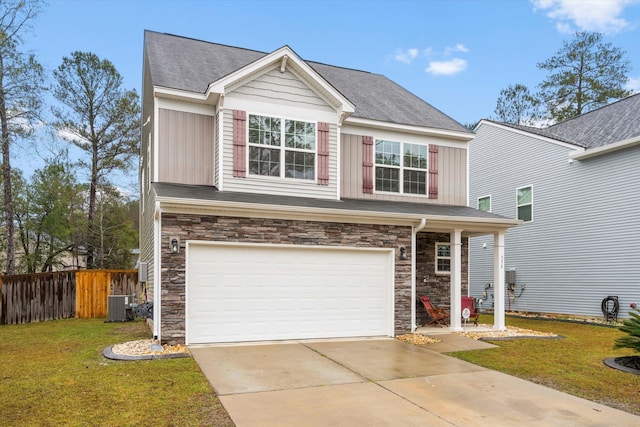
(27, 298)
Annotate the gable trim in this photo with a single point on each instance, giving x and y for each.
(293, 62)
(532, 135)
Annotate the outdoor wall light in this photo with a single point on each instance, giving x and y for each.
(403, 252)
(175, 245)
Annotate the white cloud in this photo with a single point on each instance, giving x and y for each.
(633, 84)
(602, 15)
(446, 68)
(428, 51)
(457, 48)
(407, 56)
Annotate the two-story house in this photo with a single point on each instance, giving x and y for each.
(574, 185)
(288, 199)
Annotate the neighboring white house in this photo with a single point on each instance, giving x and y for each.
(576, 187)
(287, 199)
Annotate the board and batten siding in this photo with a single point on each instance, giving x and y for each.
(185, 144)
(584, 241)
(279, 95)
(452, 175)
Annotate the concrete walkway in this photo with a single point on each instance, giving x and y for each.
(383, 382)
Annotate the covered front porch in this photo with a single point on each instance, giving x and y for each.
(440, 259)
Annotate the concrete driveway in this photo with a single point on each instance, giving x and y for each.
(381, 382)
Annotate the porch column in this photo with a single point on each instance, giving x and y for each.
(498, 281)
(456, 281)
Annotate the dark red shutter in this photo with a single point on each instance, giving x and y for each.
(239, 143)
(433, 171)
(323, 153)
(367, 164)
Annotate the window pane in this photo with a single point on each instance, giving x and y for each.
(524, 213)
(415, 182)
(444, 250)
(415, 156)
(300, 135)
(299, 164)
(444, 264)
(388, 179)
(387, 153)
(264, 130)
(524, 196)
(264, 161)
(484, 204)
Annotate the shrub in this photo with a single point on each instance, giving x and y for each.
(631, 327)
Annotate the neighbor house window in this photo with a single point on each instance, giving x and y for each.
(282, 148)
(401, 167)
(443, 258)
(524, 196)
(484, 203)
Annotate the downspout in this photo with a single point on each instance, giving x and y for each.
(157, 286)
(416, 230)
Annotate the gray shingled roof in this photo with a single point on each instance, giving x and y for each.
(191, 65)
(615, 122)
(208, 193)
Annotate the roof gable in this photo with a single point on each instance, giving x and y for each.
(191, 65)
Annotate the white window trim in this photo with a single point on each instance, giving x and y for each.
(402, 168)
(490, 202)
(531, 204)
(282, 149)
(439, 272)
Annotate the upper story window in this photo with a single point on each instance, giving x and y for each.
(281, 147)
(524, 196)
(401, 167)
(484, 203)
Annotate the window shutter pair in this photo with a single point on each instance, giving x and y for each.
(240, 148)
(367, 167)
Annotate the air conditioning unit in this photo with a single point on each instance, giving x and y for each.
(120, 308)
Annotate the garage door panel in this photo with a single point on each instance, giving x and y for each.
(256, 292)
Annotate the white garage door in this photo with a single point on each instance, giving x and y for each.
(276, 292)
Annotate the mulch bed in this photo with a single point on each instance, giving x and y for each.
(627, 364)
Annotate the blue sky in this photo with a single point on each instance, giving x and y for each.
(457, 54)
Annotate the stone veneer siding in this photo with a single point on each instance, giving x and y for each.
(436, 287)
(276, 231)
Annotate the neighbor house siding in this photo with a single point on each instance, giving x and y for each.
(452, 175)
(273, 185)
(583, 243)
(275, 231)
(185, 144)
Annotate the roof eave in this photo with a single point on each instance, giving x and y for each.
(609, 148)
(419, 130)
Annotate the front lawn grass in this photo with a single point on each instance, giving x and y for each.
(53, 373)
(573, 364)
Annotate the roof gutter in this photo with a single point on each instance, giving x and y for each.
(610, 148)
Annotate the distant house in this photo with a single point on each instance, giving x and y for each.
(575, 185)
(288, 199)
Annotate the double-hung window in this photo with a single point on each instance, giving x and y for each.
(282, 148)
(524, 200)
(401, 167)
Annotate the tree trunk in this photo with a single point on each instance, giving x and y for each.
(6, 178)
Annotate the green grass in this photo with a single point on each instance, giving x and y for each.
(573, 364)
(53, 373)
